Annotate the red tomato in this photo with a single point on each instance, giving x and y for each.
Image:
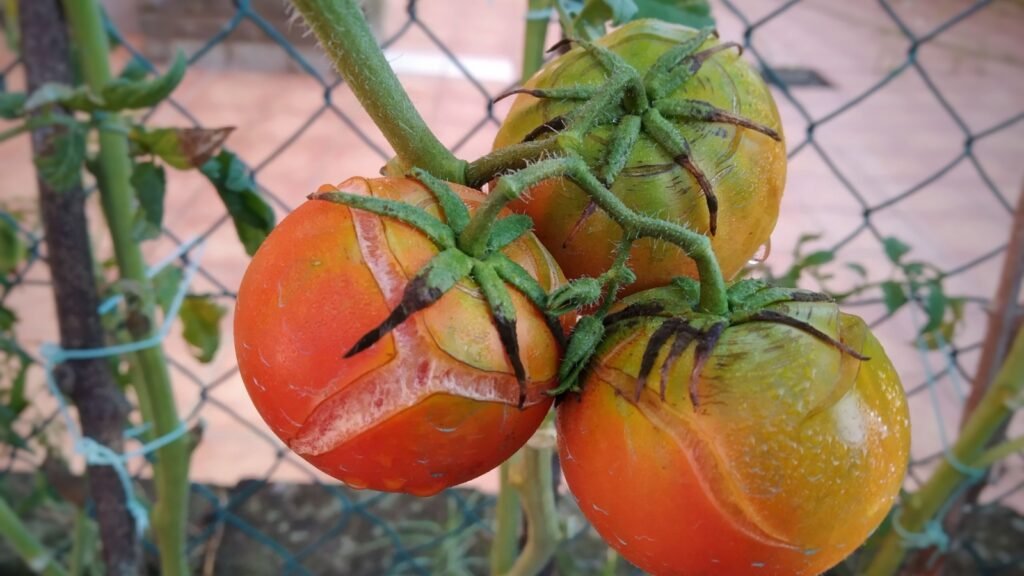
(792, 456)
(433, 403)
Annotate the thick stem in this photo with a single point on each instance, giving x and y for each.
(537, 19)
(102, 409)
(516, 157)
(342, 30)
(532, 477)
(508, 521)
(921, 507)
(117, 198)
(25, 545)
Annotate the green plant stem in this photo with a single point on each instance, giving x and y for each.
(508, 521)
(999, 452)
(532, 477)
(25, 545)
(342, 30)
(117, 198)
(516, 157)
(921, 507)
(473, 239)
(536, 37)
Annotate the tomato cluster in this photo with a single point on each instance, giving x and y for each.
(407, 334)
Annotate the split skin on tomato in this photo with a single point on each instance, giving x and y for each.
(746, 168)
(434, 402)
(793, 455)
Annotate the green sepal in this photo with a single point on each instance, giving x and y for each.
(503, 312)
(438, 232)
(623, 140)
(508, 230)
(655, 77)
(436, 278)
(454, 209)
(582, 345)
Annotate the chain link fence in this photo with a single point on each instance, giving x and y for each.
(904, 131)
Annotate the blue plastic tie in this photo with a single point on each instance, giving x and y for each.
(92, 451)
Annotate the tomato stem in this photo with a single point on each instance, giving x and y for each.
(515, 157)
(118, 199)
(532, 476)
(537, 18)
(921, 507)
(342, 30)
(35, 555)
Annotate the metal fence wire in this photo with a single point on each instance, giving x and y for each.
(317, 527)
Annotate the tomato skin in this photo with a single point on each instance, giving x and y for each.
(747, 169)
(792, 458)
(434, 402)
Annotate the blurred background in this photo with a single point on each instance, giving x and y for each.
(903, 119)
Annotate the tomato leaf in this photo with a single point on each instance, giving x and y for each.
(591, 18)
(182, 148)
(150, 184)
(12, 249)
(895, 249)
(935, 306)
(692, 13)
(201, 317)
(124, 93)
(51, 93)
(60, 165)
(819, 258)
(165, 286)
(858, 268)
(135, 69)
(11, 105)
(253, 217)
(893, 295)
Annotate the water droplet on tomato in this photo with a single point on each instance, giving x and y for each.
(762, 253)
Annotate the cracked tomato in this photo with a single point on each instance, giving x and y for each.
(773, 453)
(434, 402)
(718, 135)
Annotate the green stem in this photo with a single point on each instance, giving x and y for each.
(921, 507)
(532, 476)
(697, 246)
(508, 521)
(117, 198)
(999, 452)
(342, 30)
(536, 37)
(515, 157)
(25, 545)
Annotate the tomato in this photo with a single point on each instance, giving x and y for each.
(430, 405)
(745, 168)
(779, 457)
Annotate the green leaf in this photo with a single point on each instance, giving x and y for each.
(11, 105)
(165, 286)
(859, 269)
(150, 184)
(819, 258)
(253, 217)
(692, 13)
(51, 93)
(182, 148)
(895, 249)
(60, 165)
(201, 317)
(12, 249)
(124, 93)
(935, 307)
(892, 293)
(7, 319)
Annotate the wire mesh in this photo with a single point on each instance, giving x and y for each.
(964, 157)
